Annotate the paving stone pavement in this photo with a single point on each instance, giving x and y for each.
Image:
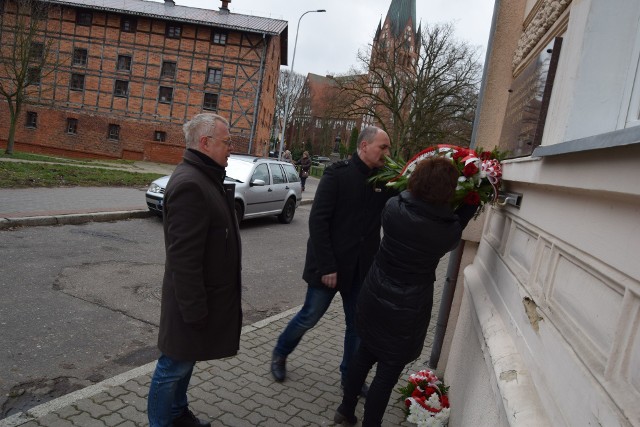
(237, 391)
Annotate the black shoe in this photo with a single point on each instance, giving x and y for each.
(278, 367)
(341, 417)
(187, 419)
(363, 391)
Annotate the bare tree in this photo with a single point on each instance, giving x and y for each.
(288, 85)
(26, 57)
(419, 98)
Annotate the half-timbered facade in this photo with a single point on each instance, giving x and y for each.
(132, 72)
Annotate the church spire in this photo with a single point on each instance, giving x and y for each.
(402, 14)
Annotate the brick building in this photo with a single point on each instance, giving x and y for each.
(132, 72)
(318, 122)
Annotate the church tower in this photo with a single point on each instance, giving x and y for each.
(397, 40)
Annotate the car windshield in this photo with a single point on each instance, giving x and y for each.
(238, 170)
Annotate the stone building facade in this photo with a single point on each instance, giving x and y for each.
(133, 72)
(544, 329)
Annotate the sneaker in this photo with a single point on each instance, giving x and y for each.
(341, 417)
(187, 419)
(278, 367)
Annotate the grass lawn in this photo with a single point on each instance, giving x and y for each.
(70, 173)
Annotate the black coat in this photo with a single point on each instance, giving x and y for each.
(344, 224)
(201, 313)
(394, 306)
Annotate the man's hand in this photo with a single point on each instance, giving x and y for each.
(330, 280)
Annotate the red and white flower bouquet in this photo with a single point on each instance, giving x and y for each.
(480, 174)
(426, 400)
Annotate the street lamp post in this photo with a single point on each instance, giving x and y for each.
(286, 102)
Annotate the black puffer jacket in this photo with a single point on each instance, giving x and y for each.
(395, 302)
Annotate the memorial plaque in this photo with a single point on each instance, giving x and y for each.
(528, 103)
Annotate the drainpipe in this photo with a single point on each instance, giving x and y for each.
(257, 101)
(455, 257)
(448, 291)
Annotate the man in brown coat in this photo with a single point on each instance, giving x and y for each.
(201, 315)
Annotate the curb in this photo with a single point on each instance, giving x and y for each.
(35, 221)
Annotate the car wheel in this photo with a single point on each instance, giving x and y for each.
(288, 211)
(239, 210)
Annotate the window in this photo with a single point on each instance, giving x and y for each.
(159, 136)
(277, 174)
(124, 63)
(83, 17)
(36, 51)
(72, 126)
(210, 101)
(32, 119)
(214, 76)
(218, 37)
(114, 132)
(173, 31)
(79, 56)
(166, 94)
(168, 70)
(121, 88)
(128, 24)
(262, 173)
(77, 82)
(33, 75)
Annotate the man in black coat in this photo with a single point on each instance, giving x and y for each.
(344, 234)
(201, 315)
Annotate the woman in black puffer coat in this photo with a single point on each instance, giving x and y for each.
(394, 306)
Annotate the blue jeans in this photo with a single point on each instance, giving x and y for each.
(316, 303)
(168, 391)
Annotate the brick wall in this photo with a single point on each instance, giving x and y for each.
(245, 79)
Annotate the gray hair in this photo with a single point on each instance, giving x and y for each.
(199, 125)
(367, 134)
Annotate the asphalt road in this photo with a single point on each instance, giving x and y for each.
(80, 303)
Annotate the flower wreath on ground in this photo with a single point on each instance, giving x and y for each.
(426, 400)
(480, 174)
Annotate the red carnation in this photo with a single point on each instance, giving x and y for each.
(416, 393)
(485, 155)
(472, 198)
(460, 154)
(407, 402)
(429, 391)
(444, 400)
(470, 169)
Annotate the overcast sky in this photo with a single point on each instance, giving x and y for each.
(328, 42)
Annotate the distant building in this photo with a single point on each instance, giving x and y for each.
(137, 70)
(395, 37)
(318, 120)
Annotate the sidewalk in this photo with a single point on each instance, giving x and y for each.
(238, 391)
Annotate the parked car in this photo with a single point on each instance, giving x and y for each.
(264, 187)
(317, 160)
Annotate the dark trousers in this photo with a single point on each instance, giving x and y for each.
(386, 377)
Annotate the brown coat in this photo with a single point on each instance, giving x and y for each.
(201, 314)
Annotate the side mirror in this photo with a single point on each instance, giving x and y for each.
(257, 182)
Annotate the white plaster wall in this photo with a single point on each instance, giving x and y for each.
(473, 398)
